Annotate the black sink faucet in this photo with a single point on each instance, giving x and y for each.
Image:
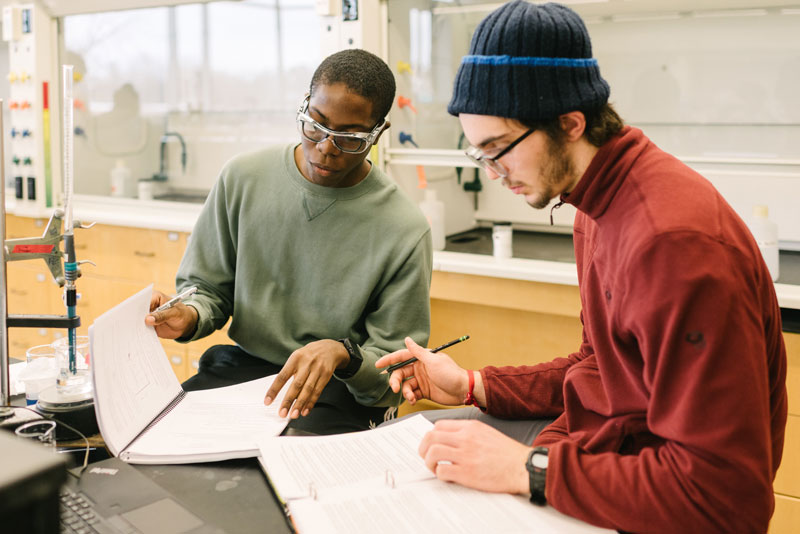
(162, 167)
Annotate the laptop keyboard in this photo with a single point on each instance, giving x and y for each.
(78, 517)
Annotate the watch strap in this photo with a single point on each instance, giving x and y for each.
(355, 362)
(537, 477)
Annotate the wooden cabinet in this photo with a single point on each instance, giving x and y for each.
(786, 518)
(31, 290)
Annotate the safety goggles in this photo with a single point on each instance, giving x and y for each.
(350, 142)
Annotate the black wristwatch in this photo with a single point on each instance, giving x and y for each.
(537, 471)
(355, 360)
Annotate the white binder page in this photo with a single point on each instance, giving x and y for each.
(431, 507)
(133, 380)
(295, 463)
(211, 424)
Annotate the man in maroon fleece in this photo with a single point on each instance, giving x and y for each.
(670, 416)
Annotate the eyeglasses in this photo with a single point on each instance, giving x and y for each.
(350, 142)
(477, 155)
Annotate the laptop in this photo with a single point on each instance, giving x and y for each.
(113, 497)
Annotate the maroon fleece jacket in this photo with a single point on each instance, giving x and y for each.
(671, 415)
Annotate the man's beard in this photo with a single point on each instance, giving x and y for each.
(556, 168)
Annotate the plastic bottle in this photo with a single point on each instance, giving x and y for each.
(766, 234)
(501, 240)
(433, 209)
(120, 180)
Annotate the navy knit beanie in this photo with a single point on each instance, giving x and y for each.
(529, 62)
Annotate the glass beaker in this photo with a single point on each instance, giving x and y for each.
(81, 380)
(40, 371)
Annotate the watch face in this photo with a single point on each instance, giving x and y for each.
(539, 460)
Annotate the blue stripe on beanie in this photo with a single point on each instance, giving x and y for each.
(529, 62)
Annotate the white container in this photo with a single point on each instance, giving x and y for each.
(146, 188)
(765, 233)
(433, 209)
(121, 180)
(502, 238)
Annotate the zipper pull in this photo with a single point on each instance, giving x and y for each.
(560, 203)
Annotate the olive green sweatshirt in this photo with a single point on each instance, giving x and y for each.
(293, 262)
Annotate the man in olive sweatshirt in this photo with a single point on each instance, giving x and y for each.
(320, 261)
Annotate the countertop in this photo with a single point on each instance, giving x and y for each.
(539, 257)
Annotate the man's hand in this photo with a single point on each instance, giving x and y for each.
(474, 454)
(312, 367)
(173, 323)
(433, 376)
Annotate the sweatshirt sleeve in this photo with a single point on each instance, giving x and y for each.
(401, 308)
(210, 263)
(701, 330)
(530, 391)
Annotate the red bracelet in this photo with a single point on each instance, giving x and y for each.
(470, 395)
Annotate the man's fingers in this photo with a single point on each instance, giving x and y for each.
(437, 436)
(447, 471)
(437, 453)
(417, 351)
(308, 396)
(454, 425)
(292, 394)
(411, 391)
(280, 380)
(159, 316)
(155, 299)
(399, 376)
(392, 358)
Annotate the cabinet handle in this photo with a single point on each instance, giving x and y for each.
(144, 254)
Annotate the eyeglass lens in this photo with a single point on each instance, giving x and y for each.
(487, 163)
(343, 143)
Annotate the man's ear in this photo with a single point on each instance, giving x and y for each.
(573, 124)
(385, 127)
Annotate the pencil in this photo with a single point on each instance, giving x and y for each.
(398, 365)
(176, 299)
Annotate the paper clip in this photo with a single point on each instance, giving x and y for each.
(390, 479)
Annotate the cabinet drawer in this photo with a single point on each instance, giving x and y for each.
(787, 481)
(793, 371)
(134, 253)
(98, 295)
(786, 519)
(21, 339)
(20, 227)
(31, 289)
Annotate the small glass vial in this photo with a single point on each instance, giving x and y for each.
(765, 233)
(502, 239)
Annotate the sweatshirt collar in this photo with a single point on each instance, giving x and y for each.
(335, 193)
(606, 173)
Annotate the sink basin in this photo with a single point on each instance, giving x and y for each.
(194, 196)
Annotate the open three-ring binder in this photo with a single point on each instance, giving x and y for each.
(375, 481)
(145, 416)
